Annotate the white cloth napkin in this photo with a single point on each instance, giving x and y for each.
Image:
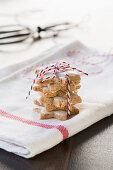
(21, 131)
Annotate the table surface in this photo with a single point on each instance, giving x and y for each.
(91, 149)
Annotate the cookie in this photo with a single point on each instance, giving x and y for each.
(46, 115)
(59, 84)
(38, 88)
(59, 93)
(48, 93)
(61, 103)
(60, 115)
(38, 103)
(42, 82)
(60, 100)
(57, 87)
(36, 71)
(50, 108)
(61, 78)
(57, 103)
(46, 100)
(53, 91)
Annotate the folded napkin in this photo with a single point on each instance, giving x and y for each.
(21, 131)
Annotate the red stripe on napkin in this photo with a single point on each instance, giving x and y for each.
(61, 128)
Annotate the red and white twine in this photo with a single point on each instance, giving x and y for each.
(68, 94)
(53, 69)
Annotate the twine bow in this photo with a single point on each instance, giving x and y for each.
(53, 69)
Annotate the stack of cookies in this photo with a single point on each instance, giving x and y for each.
(52, 96)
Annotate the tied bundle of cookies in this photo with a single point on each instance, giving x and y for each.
(57, 87)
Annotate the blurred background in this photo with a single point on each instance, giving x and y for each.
(91, 21)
